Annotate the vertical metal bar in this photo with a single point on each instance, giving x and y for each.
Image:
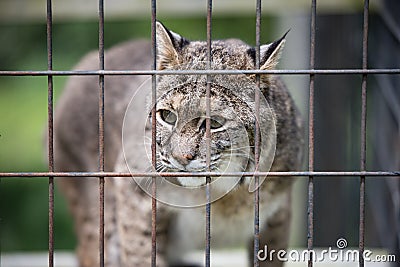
(153, 136)
(208, 137)
(257, 140)
(363, 148)
(50, 129)
(101, 132)
(310, 206)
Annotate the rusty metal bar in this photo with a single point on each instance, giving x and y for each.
(153, 135)
(363, 137)
(196, 72)
(310, 202)
(50, 126)
(101, 174)
(208, 136)
(202, 174)
(101, 132)
(256, 244)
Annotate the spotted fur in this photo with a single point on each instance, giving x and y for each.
(181, 146)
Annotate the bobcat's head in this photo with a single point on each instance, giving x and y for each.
(181, 108)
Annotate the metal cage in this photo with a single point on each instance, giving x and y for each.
(311, 72)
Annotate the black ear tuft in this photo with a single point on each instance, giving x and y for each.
(270, 53)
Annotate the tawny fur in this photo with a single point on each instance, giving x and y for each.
(128, 207)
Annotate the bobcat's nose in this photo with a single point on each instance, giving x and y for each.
(184, 158)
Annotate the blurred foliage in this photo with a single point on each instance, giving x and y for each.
(23, 109)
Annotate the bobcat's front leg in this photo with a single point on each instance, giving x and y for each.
(274, 236)
(133, 212)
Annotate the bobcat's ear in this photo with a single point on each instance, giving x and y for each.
(169, 45)
(271, 53)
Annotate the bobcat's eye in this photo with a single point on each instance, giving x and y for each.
(167, 116)
(216, 122)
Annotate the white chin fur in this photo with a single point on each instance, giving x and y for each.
(219, 184)
(192, 181)
(222, 185)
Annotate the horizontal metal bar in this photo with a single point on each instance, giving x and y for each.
(194, 72)
(198, 174)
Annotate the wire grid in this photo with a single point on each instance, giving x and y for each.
(101, 174)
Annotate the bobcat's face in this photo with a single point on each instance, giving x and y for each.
(181, 133)
(181, 108)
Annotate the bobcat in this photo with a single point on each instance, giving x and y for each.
(181, 147)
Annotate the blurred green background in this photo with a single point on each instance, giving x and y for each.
(23, 106)
(23, 109)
